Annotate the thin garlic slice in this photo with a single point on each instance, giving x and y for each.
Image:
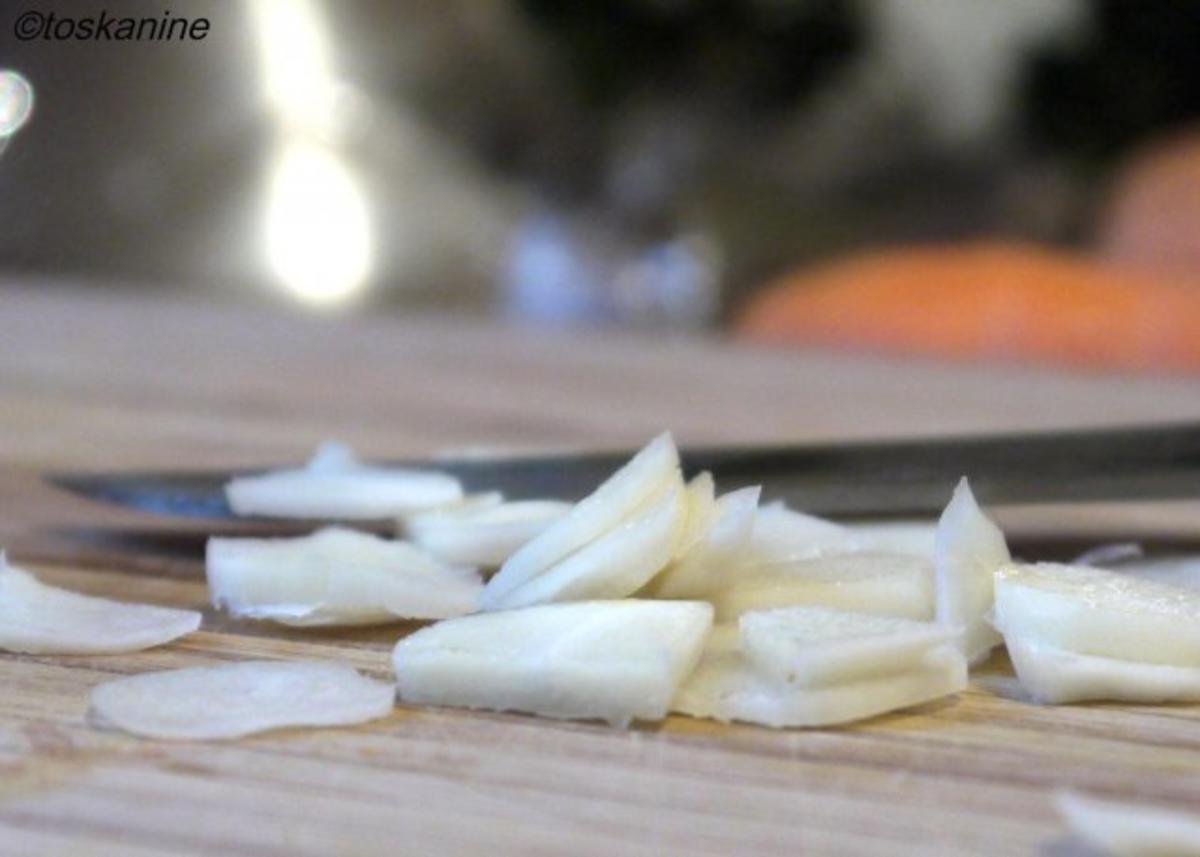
(881, 583)
(1181, 570)
(335, 485)
(969, 550)
(1130, 830)
(820, 647)
(701, 513)
(1095, 612)
(233, 700)
(712, 563)
(782, 535)
(1110, 555)
(609, 660)
(1055, 676)
(605, 509)
(617, 564)
(483, 535)
(915, 538)
(726, 687)
(336, 576)
(40, 619)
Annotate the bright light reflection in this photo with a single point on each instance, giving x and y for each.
(318, 230)
(16, 102)
(297, 78)
(317, 224)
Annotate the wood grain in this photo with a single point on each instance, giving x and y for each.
(106, 382)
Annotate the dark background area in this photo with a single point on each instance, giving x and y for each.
(628, 162)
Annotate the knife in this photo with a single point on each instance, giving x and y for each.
(884, 479)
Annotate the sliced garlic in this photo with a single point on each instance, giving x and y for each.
(1110, 555)
(1056, 676)
(970, 549)
(1130, 830)
(1175, 570)
(606, 508)
(482, 535)
(40, 619)
(915, 538)
(781, 535)
(233, 700)
(609, 660)
(820, 647)
(1095, 612)
(881, 583)
(701, 512)
(725, 687)
(336, 485)
(617, 564)
(336, 576)
(711, 564)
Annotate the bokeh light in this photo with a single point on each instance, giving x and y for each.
(318, 229)
(16, 101)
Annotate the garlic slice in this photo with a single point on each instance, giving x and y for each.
(1111, 555)
(1095, 612)
(482, 535)
(336, 485)
(336, 576)
(726, 687)
(617, 564)
(969, 550)
(881, 583)
(1055, 676)
(1130, 830)
(609, 660)
(623, 494)
(40, 619)
(820, 647)
(915, 538)
(233, 700)
(712, 563)
(700, 497)
(781, 535)
(1181, 570)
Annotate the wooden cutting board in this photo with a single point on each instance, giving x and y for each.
(86, 382)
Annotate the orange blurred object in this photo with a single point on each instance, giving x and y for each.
(1152, 221)
(985, 300)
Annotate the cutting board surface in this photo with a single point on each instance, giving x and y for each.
(126, 383)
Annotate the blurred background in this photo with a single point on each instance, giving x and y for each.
(969, 179)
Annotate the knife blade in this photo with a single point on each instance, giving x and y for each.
(889, 478)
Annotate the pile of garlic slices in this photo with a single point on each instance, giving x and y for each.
(651, 595)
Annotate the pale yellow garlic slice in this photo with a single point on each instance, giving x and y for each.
(1056, 676)
(617, 564)
(624, 493)
(726, 687)
(1176, 570)
(483, 535)
(701, 501)
(781, 534)
(336, 576)
(1095, 612)
(609, 660)
(969, 550)
(233, 700)
(40, 619)
(1130, 829)
(713, 562)
(915, 538)
(881, 583)
(335, 485)
(821, 647)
